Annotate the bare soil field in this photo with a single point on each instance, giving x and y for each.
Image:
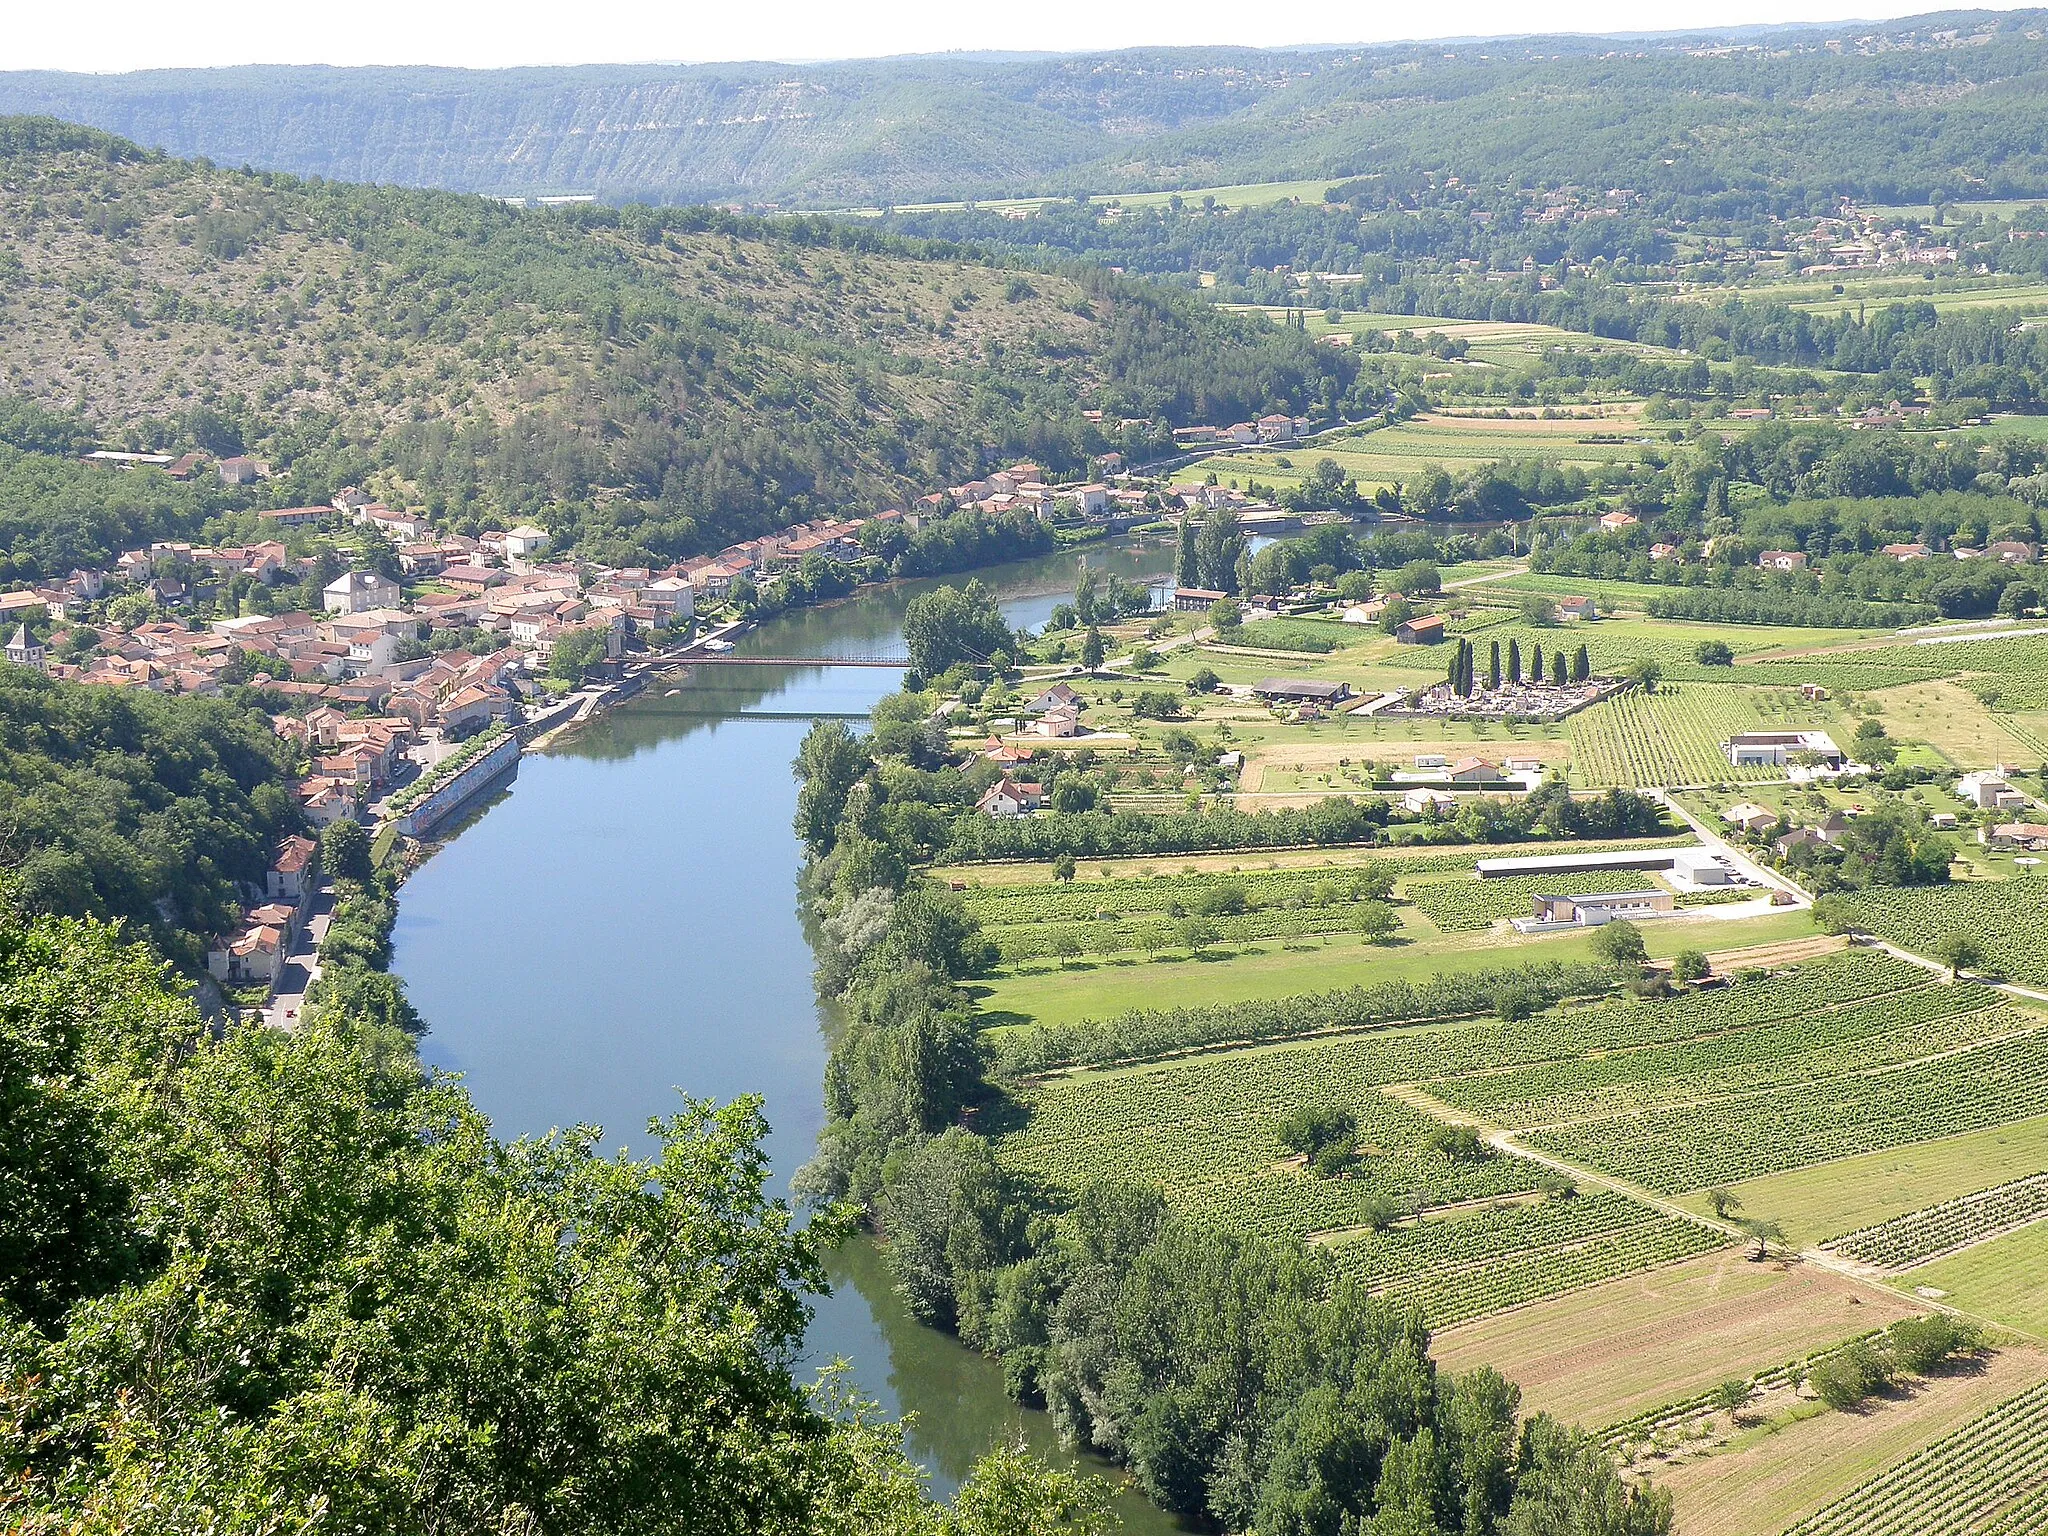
(1603, 1354)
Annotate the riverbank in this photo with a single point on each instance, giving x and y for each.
(622, 926)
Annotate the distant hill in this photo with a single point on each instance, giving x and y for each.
(1944, 104)
(649, 381)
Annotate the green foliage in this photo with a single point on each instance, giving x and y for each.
(126, 804)
(329, 1270)
(1621, 945)
(951, 625)
(345, 850)
(575, 651)
(1850, 1376)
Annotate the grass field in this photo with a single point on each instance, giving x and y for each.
(1823, 1202)
(1066, 996)
(1779, 1474)
(2005, 1279)
(1606, 1353)
(1398, 453)
(1952, 720)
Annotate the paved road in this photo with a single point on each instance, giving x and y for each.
(302, 966)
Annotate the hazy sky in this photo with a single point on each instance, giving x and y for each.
(139, 34)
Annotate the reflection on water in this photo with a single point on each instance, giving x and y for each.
(621, 927)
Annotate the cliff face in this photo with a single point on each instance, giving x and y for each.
(1940, 106)
(890, 130)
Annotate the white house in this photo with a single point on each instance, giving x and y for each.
(1774, 749)
(1423, 801)
(1750, 817)
(1988, 790)
(524, 541)
(1006, 797)
(359, 591)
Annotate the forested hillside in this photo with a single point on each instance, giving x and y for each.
(646, 383)
(1879, 110)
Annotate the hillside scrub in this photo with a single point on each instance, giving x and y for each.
(645, 382)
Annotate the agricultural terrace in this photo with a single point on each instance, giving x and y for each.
(1910, 1067)
(1466, 1229)
(1820, 1205)
(1609, 1353)
(1937, 1230)
(2000, 1278)
(1783, 1466)
(1073, 991)
(1240, 905)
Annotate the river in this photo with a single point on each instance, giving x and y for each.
(621, 924)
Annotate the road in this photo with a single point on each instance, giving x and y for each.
(302, 966)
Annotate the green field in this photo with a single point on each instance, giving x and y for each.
(1398, 453)
(1056, 996)
(2005, 1279)
(1820, 1203)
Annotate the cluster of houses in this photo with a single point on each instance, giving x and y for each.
(254, 954)
(1275, 428)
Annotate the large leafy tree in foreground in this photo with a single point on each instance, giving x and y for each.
(267, 1283)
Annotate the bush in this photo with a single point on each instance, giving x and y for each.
(1850, 1377)
(1918, 1344)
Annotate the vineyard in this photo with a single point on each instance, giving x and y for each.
(1465, 1233)
(1940, 1229)
(2017, 667)
(1672, 736)
(1989, 1478)
(1453, 1271)
(1725, 1140)
(1807, 1046)
(2007, 920)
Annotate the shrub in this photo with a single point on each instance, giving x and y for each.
(1918, 1344)
(1849, 1377)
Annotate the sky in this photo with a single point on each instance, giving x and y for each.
(119, 35)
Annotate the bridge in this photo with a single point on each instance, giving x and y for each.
(727, 659)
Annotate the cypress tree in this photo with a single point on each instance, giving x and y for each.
(1186, 568)
(1514, 661)
(1493, 667)
(1558, 670)
(1582, 665)
(1535, 663)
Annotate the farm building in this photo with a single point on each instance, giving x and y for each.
(1195, 599)
(1774, 749)
(1595, 911)
(1300, 690)
(1426, 630)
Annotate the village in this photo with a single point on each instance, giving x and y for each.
(430, 661)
